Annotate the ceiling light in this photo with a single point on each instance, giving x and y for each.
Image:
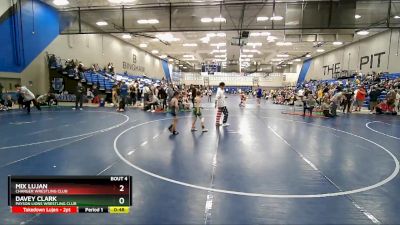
(337, 43)
(180, 65)
(211, 35)
(149, 21)
(220, 56)
(188, 56)
(246, 56)
(163, 56)
(221, 34)
(152, 21)
(262, 18)
(276, 60)
(363, 32)
(255, 44)
(143, 45)
(171, 60)
(60, 2)
(167, 37)
(396, 17)
(284, 43)
(120, 1)
(271, 38)
(290, 63)
(219, 20)
(308, 56)
(126, 36)
(102, 23)
(154, 51)
(282, 55)
(218, 51)
(205, 39)
(357, 16)
(189, 45)
(320, 50)
(142, 21)
(297, 60)
(218, 44)
(277, 18)
(184, 67)
(206, 20)
(257, 34)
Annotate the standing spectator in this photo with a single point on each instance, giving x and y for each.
(28, 97)
(397, 103)
(132, 93)
(170, 92)
(193, 94)
(360, 98)
(259, 95)
(123, 94)
(209, 94)
(373, 98)
(146, 93)
(80, 90)
(347, 100)
(1, 92)
(95, 92)
(335, 101)
(162, 95)
(220, 103)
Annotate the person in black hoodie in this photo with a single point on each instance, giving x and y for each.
(162, 95)
(373, 98)
(80, 91)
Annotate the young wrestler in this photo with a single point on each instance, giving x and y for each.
(197, 113)
(174, 106)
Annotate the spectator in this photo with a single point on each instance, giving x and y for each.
(309, 105)
(162, 95)
(95, 92)
(123, 95)
(360, 98)
(347, 100)
(1, 91)
(373, 98)
(132, 93)
(79, 92)
(28, 97)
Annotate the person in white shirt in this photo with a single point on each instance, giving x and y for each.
(209, 94)
(220, 104)
(28, 97)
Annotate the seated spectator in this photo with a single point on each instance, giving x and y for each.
(385, 108)
(309, 105)
(326, 108)
(185, 102)
(95, 92)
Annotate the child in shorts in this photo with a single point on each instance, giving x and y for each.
(197, 113)
(174, 106)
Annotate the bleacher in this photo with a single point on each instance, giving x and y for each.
(392, 76)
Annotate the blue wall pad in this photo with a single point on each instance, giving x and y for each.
(26, 33)
(304, 71)
(166, 70)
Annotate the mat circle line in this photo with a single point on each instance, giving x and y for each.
(75, 136)
(387, 135)
(250, 194)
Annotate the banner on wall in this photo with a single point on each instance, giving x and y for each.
(378, 53)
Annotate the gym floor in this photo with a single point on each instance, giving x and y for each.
(266, 168)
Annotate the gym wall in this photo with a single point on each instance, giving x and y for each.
(379, 53)
(26, 38)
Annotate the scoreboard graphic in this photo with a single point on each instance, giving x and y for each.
(69, 194)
